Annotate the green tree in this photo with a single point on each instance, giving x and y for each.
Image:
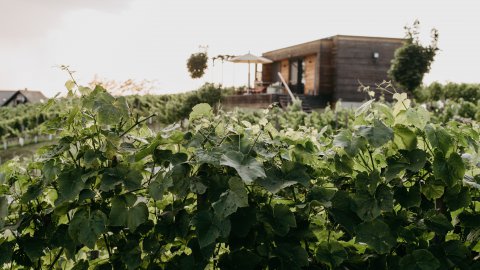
(413, 60)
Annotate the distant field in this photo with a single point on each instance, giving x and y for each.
(25, 151)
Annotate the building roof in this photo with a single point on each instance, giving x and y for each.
(309, 47)
(31, 96)
(387, 39)
(34, 96)
(5, 96)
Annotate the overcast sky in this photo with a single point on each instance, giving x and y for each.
(150, 39)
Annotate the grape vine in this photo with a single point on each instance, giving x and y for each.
(392, 191)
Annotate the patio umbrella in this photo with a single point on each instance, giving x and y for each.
(250, 58)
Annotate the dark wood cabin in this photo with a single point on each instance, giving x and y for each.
(16, 97)
(324, 71)
(333, 68)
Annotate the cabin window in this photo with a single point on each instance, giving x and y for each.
(297, 75)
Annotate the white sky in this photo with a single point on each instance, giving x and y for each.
(151, 39)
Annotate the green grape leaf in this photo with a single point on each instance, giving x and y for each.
(469, 220)
(342, 211)
(439, 139)
(351, 144)
(410, 197)
(450, 170)
(33, 191)
(321, 195)
(457, 200)
(295, 171)
(395, 165)
(32, 246)
(366, 206)
(159, 186)
(456, 251)
(160, 156)
(432, 190)
(150, 148)
(293, 257)
(416, 159)
(128, 211)
(247, 167)
(200, 111)
(180, 178)
(91, 159)
(344, 164)
(283, 219)
(61, 238)
(86, 194)
(232, 199)
(50, 171)
(69, 85)
(86, 226)
(377, 235)
(137, 215)
(109, 110)
(404, 137)
(384, 197)
(367, 183)
(417, 117)
(132, 257)
(209, 227)
(69, 184)
(376, 135)
(211, 156)
(331, 253)
(369, 206)
(413, 160)
(130, 177)
(439, 224)
(420, 259)
(292, 173)
(274, 182)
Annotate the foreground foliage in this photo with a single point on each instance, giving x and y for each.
(393, 191)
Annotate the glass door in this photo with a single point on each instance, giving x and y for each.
(297, 75)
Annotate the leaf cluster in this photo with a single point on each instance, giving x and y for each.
(197, 63)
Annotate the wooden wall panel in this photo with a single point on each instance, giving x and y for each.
(354, 64)
(310, 64)
(327, 68)
(267, 72)
(285, 69)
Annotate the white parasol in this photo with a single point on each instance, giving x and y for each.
(250, 58)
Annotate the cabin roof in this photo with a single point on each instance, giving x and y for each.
(308, 46)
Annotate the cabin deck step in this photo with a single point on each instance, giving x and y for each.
(286, 100)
